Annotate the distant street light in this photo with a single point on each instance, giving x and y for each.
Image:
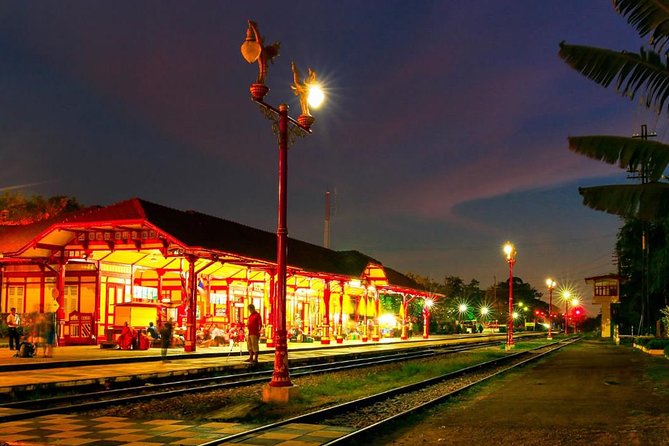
(550, 283)
(566, 296)
(280, 388)
(510, 252)
(574, 304)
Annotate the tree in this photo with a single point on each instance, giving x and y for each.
(645, 275)
(17, 209)
(646, 75)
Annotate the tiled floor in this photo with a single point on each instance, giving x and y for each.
(74, 430)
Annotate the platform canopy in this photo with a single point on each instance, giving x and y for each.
(147, 235)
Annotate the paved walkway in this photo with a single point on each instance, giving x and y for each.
(74, 430)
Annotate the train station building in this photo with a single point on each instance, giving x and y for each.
(140, 262)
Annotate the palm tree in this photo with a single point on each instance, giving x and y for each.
(644, 75)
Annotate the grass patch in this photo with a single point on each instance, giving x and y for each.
(328, 389)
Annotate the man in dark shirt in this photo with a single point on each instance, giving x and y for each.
(252, 343)
(152, 332)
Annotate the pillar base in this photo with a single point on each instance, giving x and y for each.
(376, 338)
(270, 344)
(279, 394)
(509, 346)
(404, 338)
(340, 340)
(426, 337)
(325, 341)
(363, 339)
(189, 348)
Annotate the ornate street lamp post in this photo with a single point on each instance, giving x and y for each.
(462, 311)
(280, 388)
(510, 252)
(427, 304)
(550, 283)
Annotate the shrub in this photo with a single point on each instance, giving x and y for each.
(643, 340)
(657, 344)
(626, 340)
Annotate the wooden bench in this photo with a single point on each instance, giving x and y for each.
(111, 334)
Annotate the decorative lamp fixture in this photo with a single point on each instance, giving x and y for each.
(550, 283)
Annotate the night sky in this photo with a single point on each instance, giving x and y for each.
(444, 135)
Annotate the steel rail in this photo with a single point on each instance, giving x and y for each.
(321, 414)
(52, 405)
(239, 379)
(375, 427)
(236, 380)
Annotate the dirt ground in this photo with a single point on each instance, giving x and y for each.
(593, 393)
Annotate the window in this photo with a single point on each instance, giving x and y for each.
(16, 297)
(71, 299)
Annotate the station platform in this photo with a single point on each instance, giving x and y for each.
(73, 366)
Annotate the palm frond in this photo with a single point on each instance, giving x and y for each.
(643, 201)
(629, 153)
(642, 73)
(649, 17)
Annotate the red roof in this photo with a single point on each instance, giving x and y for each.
(197, 230)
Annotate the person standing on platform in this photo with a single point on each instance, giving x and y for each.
(13, 324)
(50, 334)
(253, 342)
(165, 338)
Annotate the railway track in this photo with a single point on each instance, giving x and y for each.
(100, 399)
(365, 416)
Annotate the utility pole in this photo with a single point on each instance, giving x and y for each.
(326, 223)
(642, 174)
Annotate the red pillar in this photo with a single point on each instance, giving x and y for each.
(405, 308)
(280, 375)
(96, 308)
(270, 317)
(340, 334)
(376, 336)
(364, 334)
(325, 339)
(59, 295)
(191, 322)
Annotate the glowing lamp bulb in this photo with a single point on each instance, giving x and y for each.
(509, 250)
(316, 96)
